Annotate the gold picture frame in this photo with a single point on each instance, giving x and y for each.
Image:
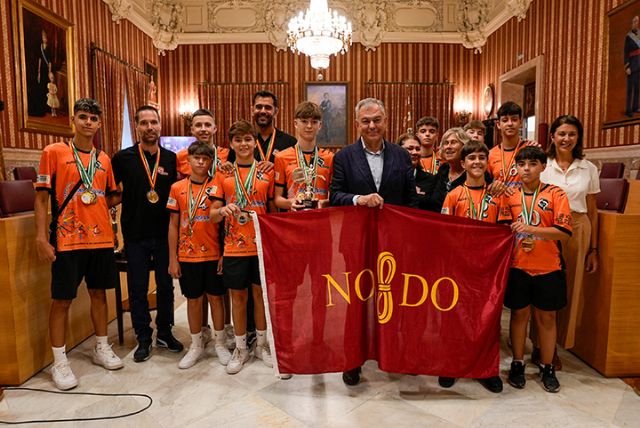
(45, 61)
(152, 95)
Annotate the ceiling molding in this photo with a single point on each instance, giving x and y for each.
(182, 22)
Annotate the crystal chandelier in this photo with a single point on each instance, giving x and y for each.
(319, 33)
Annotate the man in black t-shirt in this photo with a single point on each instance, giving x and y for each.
(146, 172)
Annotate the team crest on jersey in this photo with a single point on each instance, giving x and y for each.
(543, 204)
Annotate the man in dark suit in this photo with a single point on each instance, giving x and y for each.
(632, 66)
(372, 172)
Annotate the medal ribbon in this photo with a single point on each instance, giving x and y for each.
(272, 141)
(192, 206)
(476, 215)
(85, 174)
(528, 211)
(150, 175)
(214, 165)
(243, 191)
(308, 168)
(505, 171)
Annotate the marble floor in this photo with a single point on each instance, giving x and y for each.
(205, 396)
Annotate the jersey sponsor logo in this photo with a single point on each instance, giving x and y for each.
(44, 179)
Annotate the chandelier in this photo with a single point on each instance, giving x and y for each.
(319, 33)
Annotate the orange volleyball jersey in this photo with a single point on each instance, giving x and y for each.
(240, 239)
(198, 242)
(286, 162)
(80, 226)
(551, 210)
(457, 203)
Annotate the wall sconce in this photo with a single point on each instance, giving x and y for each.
(186, 112)
(462, 117)
(462, 111)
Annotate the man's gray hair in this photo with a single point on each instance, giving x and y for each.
(367, 101)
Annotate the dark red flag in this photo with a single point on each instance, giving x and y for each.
(419, 292)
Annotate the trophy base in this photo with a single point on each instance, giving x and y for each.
(310, 204)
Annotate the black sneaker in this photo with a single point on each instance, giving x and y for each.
(446, 382)
(251, 337)
(143, 352)
(516, 375)
(166, 340)
(549, 380)
(352, 377)
(493, 384)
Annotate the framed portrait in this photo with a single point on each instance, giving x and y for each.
(44, 46)
(529, 100)
(153, 87)
(622, 65)
(333, 99)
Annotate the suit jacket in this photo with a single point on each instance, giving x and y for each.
(352, 176)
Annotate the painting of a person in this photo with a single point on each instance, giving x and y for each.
(52, 95)
(38, 91)
(632, 66)
(325, 107)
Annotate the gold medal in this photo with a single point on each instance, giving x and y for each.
(152, 196)
(527, 244)
(88, 197)
(243, 218)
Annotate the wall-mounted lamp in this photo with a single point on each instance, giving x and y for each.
(462, 117)
(462, 111)
(185, 111)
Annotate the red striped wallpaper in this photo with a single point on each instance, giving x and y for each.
(93, 23)
(183, 68)
(570, 35)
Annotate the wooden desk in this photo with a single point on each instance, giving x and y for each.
(24, 308)
(608, 331)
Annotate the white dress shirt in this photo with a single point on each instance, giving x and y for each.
(580, 179)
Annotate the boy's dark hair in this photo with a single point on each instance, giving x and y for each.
(510, 108)
(405, 137)
(241, 127)
(202, 112)
(200, 148)
(428, 121)
(567, 119)
(265, 94)
(531, 153)
(136, 116)
(87, 104)
(307, 110)
(475, 124)
(473, 147)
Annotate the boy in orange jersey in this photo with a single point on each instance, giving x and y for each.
(203, 127)
(427, 130)
(194, 252)
(472, 200)
(303, 172)
(540, 217)
(80, 181)
(476, 130)
(246, 189)
(502, 163)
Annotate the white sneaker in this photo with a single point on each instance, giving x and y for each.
(223, 353)
(206, 335)
(231, 337)
(263, 353)
(63, 377)
(191, 357)
(239, 357)
(105, 357)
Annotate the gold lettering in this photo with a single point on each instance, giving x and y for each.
(332, 282)
(405, 293)
(434, 294)
(358, 291)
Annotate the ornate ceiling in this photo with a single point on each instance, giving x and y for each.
(174, 22)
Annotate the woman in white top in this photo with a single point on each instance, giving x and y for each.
(567, 168)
